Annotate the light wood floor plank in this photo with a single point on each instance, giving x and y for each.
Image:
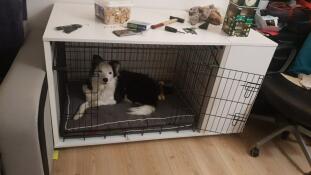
(213, 155)
(148, 158)
(207, 156)
(181, 160)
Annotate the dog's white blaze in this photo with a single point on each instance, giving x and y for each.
(142, 110)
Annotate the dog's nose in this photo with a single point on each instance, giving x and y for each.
(105, 80)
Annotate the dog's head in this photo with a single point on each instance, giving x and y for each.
(104, 71)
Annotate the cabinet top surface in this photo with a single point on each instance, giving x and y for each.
(93, 30)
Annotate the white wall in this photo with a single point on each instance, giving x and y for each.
(39, 10)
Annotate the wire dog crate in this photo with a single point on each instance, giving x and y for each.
(228, 107)
(190, 71)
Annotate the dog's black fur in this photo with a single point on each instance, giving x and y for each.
(138, 88)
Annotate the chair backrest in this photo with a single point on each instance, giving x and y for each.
(283, 57)
(302, 63)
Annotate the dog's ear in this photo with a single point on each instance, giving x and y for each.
(96, 60)
(115, 67)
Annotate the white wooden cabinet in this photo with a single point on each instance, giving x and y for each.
(242, 67)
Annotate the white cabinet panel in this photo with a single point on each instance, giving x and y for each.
(249, 58)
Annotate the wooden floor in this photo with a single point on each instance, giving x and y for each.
(213, 155)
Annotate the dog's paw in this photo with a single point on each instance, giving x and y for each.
(107, 102)
(113, 102)
(77, 116)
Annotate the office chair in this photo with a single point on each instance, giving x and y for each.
(291, 101)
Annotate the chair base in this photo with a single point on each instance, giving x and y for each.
(297, 131)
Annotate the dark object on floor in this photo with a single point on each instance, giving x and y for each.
(173, 30)
(190, 30)
(292, 102)
(69, 28)
(204, 26)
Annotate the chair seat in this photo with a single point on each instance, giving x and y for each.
(290, 100)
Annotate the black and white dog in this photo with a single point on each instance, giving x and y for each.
(108, 86)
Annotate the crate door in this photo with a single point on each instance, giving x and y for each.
(230, 101)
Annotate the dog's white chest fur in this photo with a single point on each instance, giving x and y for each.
(101, 94)
(105, 93)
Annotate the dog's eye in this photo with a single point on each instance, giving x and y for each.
(110, 72)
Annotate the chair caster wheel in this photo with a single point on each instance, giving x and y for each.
(254, 152)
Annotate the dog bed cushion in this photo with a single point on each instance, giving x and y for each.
(170, 113)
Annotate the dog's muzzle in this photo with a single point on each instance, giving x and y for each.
(105, 80)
